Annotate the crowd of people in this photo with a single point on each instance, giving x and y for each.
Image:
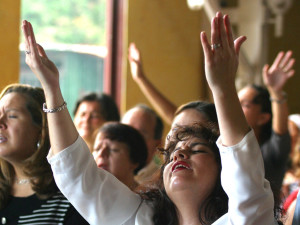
(233, 161)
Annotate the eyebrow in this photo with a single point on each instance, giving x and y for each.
(199, 143)
(194, 144)
(13, 109)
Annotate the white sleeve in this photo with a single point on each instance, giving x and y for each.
(96, 194)
(250, 197)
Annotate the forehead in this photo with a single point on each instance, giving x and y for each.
(188, 117)
(13, 100)
(89, 106)
(247, 94)
(101, 137)
(139, 119)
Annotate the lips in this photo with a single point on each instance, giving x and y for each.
(2, 139)
(103, 166)
(180, 165)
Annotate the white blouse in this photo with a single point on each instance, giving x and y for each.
(102, 199)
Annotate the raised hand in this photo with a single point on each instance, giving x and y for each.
(37, 60)
(276, 76)
(221, 63)
(135, 61)
(221, 56)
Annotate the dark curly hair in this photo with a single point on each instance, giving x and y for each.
(215, 205)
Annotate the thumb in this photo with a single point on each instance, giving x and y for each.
(42, 51)
(238, 43)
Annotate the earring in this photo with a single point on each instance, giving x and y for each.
(38, 144)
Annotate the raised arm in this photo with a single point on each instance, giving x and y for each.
(61, 128)
(275, 77)
(251, 200)
(162, 105)
(221, 62)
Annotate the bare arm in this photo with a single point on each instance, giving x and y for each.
(61, 128)
(275, 78)
(220, 69)
(162, 105)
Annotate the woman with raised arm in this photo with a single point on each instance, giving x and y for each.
(189, 190)
(28, 193)
(186, 114)
(162, 105)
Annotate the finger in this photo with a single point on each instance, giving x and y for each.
(205, 46)
(228, 31)
(289, 65)
(133, 52)
(286, 58)
(31, 32)
(223, 35)
(265, 70)
(25, 33)
(238, 43)
(290, 73)
(41, 51)
(278, 59)
(215, 35)
(32, 42)
(130, 49)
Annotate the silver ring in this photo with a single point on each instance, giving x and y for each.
(215, 46)
(27, 52)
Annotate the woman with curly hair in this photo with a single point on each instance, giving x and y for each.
(191, 174)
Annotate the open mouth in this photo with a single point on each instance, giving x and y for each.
(180, 166)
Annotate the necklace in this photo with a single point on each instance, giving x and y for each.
(22, 181)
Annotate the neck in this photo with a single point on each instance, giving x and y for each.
(131, 183)
(90, 144)
(187, 215)
(187, 206)
(21, 186)
(257, 132)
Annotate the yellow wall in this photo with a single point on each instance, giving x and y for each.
(9, 44)
(289, 41)
(167, 34)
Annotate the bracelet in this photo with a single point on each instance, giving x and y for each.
(280, 101)
(58, 109)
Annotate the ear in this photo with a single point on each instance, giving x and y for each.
(263, 118)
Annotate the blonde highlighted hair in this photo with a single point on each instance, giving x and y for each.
(35, 166)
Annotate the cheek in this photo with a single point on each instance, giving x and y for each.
(119, 162)
(166, 176)
(96, 156)
(77, 121)
(97, 122)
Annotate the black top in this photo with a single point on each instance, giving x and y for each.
(31, 210)
(275, 153)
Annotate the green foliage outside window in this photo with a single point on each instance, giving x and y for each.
(67, 22)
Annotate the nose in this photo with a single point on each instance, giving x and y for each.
(180, 154)
(2, 123)
(86, 117)
(103, 152)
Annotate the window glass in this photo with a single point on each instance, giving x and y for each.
(73, 36)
